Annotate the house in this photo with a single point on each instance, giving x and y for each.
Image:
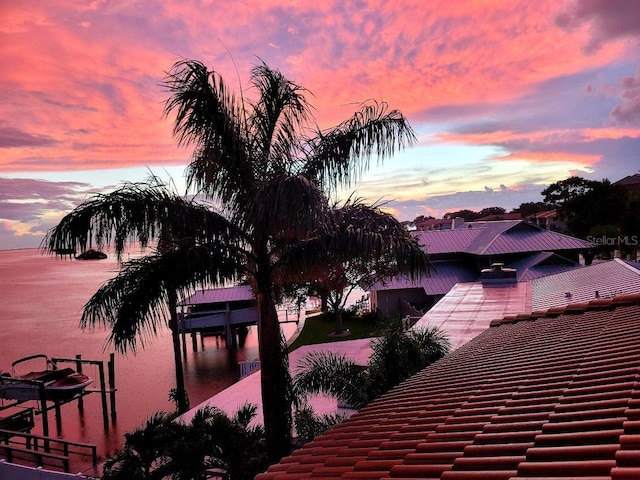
(403, 295)
(548, 220)
(631, 183)
(461, 253)
(434, 224)
(500, 216)
(551, 394)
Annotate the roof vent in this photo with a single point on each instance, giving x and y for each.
(498, 274)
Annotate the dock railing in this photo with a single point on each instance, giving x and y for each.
(42, 448)
(248, 367)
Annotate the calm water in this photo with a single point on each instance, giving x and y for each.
(42, 298)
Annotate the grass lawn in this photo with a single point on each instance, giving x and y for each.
(317, 329)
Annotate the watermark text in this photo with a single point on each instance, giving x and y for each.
(608, 241)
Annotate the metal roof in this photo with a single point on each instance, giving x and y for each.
(446, 241)
(609, 278)
(468, 309)
(493, 238)
(542, 264)
(532, 241)
(445, 275)
(220, 295)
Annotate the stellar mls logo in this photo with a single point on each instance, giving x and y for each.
(620, 240)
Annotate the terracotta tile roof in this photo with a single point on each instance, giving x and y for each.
(550, 394)
(545, 214)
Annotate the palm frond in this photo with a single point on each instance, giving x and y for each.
(342, 154)
(434, 344)
(279, 116)
(287, 208)
(397, 354)
(210, 117)
(309, 425)
(134, 303)
(358, 232)
(331, 374)
(138, 212)
(245, 414)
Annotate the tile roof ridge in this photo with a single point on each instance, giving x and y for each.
(572, 309)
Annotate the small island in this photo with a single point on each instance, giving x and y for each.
(91, 255)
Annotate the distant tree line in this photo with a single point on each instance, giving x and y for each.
(602, 212)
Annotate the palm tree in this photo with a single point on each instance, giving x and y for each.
(266, 171)
(167, 448)
(144, 454)
(396, 355)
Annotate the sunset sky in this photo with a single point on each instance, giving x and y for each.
(506, 96)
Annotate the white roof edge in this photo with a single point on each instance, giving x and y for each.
(626, 265)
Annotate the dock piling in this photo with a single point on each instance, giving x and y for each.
(112, 385)
(103, 395)
(79, 370)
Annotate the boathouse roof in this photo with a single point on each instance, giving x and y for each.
(220, 295)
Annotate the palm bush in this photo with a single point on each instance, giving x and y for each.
(166, 448)
(396, 355)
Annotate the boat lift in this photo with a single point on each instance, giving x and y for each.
(107, 389)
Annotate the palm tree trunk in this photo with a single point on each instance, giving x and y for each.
(276, 404)
(338, 314)
(181, 392)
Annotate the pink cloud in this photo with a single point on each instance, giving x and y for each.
(607, 20)
(628, 109)
(82, 81)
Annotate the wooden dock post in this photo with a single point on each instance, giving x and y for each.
(58, 413)
(44, 410)
(112, 385)
(103, 394)
(79, 370)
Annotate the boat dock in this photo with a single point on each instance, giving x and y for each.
(223, 313)
(18, 445)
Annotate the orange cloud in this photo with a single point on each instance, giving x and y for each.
(88, 76)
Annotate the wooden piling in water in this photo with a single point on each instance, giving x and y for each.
(112, 385)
